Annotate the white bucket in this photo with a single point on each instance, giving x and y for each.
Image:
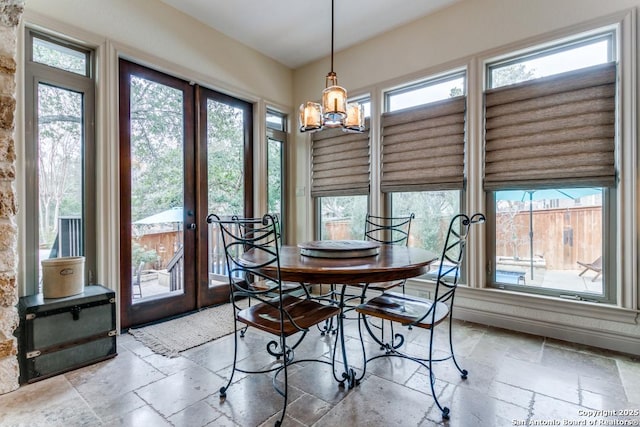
(62, 277)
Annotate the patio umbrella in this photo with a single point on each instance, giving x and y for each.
(553, 193)
(167, 216)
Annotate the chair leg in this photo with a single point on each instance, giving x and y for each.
(463, 372)
(432, 379)
(223, 390)
(285, 361)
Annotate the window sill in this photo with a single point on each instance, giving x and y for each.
(542, 303)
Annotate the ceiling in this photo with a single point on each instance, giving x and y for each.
(296, 32)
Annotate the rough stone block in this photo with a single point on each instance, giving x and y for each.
(9, 374)
(7, 148)
(7, 111)
(8, 290)
(7, 84)
(7, 65)
(8, 234)
(8, 347)
(8, 41)
(10, 12)
(8, 260)
(7, 200)
(7, 171)
(9, 321)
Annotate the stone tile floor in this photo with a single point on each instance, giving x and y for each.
(514, 379)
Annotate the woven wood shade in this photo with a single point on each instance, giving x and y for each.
(340, 163)
(423, 147)
(557, 130)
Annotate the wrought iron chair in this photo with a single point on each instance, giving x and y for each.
(426, 313)
(387, 231)
(252, 251)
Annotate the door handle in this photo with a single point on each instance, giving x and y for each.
(192, 226)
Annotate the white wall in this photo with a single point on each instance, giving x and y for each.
(458, 36)
(159, 31)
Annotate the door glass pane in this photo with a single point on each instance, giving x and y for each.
(60, 160)
(342, 217)
(550, 239)
(225, 176)
(157, 189)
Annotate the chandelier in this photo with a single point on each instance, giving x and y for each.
(334, 111)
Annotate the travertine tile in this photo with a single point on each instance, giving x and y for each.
(513, 378)
(176, 392)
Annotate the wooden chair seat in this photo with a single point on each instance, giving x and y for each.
(404, 309)
(385, 286)
(304, 312)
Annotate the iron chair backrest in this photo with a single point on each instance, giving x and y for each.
(241, 235)
(388, 230)
(453, 254)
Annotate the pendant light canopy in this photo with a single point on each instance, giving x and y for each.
(334, 111)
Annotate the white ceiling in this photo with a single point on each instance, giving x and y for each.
(295, 32)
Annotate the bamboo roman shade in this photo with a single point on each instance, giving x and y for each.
(423, 147)
(552, 131)
(340, 163)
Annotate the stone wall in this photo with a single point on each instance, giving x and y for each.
(10, 13)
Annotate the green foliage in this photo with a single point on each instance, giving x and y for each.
(141, 255)
(511, 74)
(433, 210)
(274, 176)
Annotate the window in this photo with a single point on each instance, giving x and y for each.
(60, 199)
(276, 161)
(423, 155)
(340, 180)
(342, 217)
(425, 92)
(550, 168)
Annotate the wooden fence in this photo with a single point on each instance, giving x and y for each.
(560, 236)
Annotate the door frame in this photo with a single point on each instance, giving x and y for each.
(196, 291)
(155, 308)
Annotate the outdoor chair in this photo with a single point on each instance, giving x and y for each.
(136, 283)
(595, 266)
(428, 313)
(272, 309)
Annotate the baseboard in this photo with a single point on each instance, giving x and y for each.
(592, 324)
(609, 340)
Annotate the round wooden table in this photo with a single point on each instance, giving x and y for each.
(391, 263)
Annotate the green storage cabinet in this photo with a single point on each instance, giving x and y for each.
(60, 334)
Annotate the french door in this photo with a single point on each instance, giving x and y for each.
(185, 151)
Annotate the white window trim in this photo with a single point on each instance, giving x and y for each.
(626, 159)
(614, 326)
